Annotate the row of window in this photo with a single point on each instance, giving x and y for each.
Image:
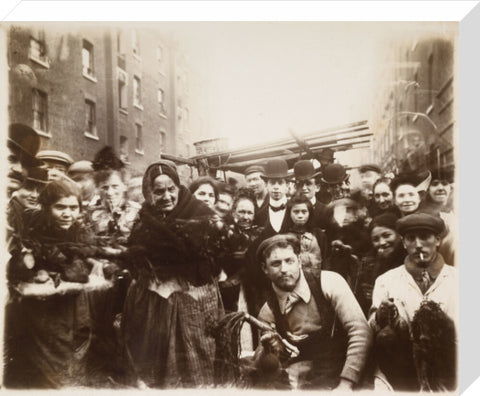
(40, 122)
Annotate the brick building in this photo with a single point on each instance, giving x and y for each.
(414, 116)
(82, 87)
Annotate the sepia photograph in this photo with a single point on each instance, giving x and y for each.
(242, 205)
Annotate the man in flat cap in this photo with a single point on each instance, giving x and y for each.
(308, 185)
(56, 162)
(82, 173)
(316, 312)
(23, 143)
(254, 179)
(399, 293)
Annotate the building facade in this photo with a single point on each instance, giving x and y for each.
(84, 87)
(414, 115)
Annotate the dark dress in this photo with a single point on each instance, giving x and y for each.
(174, 301)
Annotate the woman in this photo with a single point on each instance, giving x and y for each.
(113, 215)
(205, 189)
(382, 198)
(174, 301)
(406, 196)
(54, 331)
(387, 253)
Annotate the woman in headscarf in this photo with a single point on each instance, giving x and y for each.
(54, 331)
(174, 301)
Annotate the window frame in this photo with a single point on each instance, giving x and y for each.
(43, 104)
(89, 106)
(139, 143)
(88, 72)
(137, 87)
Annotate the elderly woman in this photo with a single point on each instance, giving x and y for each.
(174, 300)
(205, 189)
(54, 330)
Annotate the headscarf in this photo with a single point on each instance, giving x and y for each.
(162, 167)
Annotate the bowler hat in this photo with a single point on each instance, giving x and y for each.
(290, 239)
(55, 156)
(37, 175)
(276, 169)
(420, 221)
(304, 170)
(253, 169)
(370, 167)
(334, 174)
(24, 140)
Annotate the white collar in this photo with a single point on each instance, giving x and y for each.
(313, 200)
(280, 202)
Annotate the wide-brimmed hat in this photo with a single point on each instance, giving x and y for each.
(55, 156)
(24, 140)
(276, 169)
(334, 174)
(420, 221)
(304, 170)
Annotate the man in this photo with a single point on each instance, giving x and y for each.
(369, 174)
(255, 182)
(399, 293)
(82, 173)
(326, 157)
(315, 312)
(276, 176)
(335, 184)
(23, 143)
(307, 186)
(56, 162)
(224, 203)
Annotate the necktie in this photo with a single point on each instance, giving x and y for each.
(290, 301)
(425, 281)
(278, 208)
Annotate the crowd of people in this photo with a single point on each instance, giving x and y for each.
(284, 280)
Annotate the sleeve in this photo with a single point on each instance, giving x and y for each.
(336, 289)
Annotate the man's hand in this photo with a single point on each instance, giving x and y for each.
(344, 385)
(272, 343)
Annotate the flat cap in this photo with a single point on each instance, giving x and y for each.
(420, 221)
(82, 166)
(253, 169)
(53, 155)
(290, 239)
(370, 167)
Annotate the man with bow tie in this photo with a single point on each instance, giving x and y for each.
(399, 293)
(272, 217)
(317, 313)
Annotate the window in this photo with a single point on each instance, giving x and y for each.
(38, 50)
(163, 141)
(87, 59)
(138, 138)
(124, 149)
(40, 110)
(120, 51)
(90, 118)
(137, 91)
(122, 78)
(135, 43)
(161, 100)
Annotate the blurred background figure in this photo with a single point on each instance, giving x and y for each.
(335, 184)
(326, 157)
(205, 189)
(23, 143)
(134, 189)
(82, 173)
(224, 203)
(56, 162)
(254, 179)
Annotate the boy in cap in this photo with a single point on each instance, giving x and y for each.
(56, 162)
(254, 179)
(317, 313)
(399, 293)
